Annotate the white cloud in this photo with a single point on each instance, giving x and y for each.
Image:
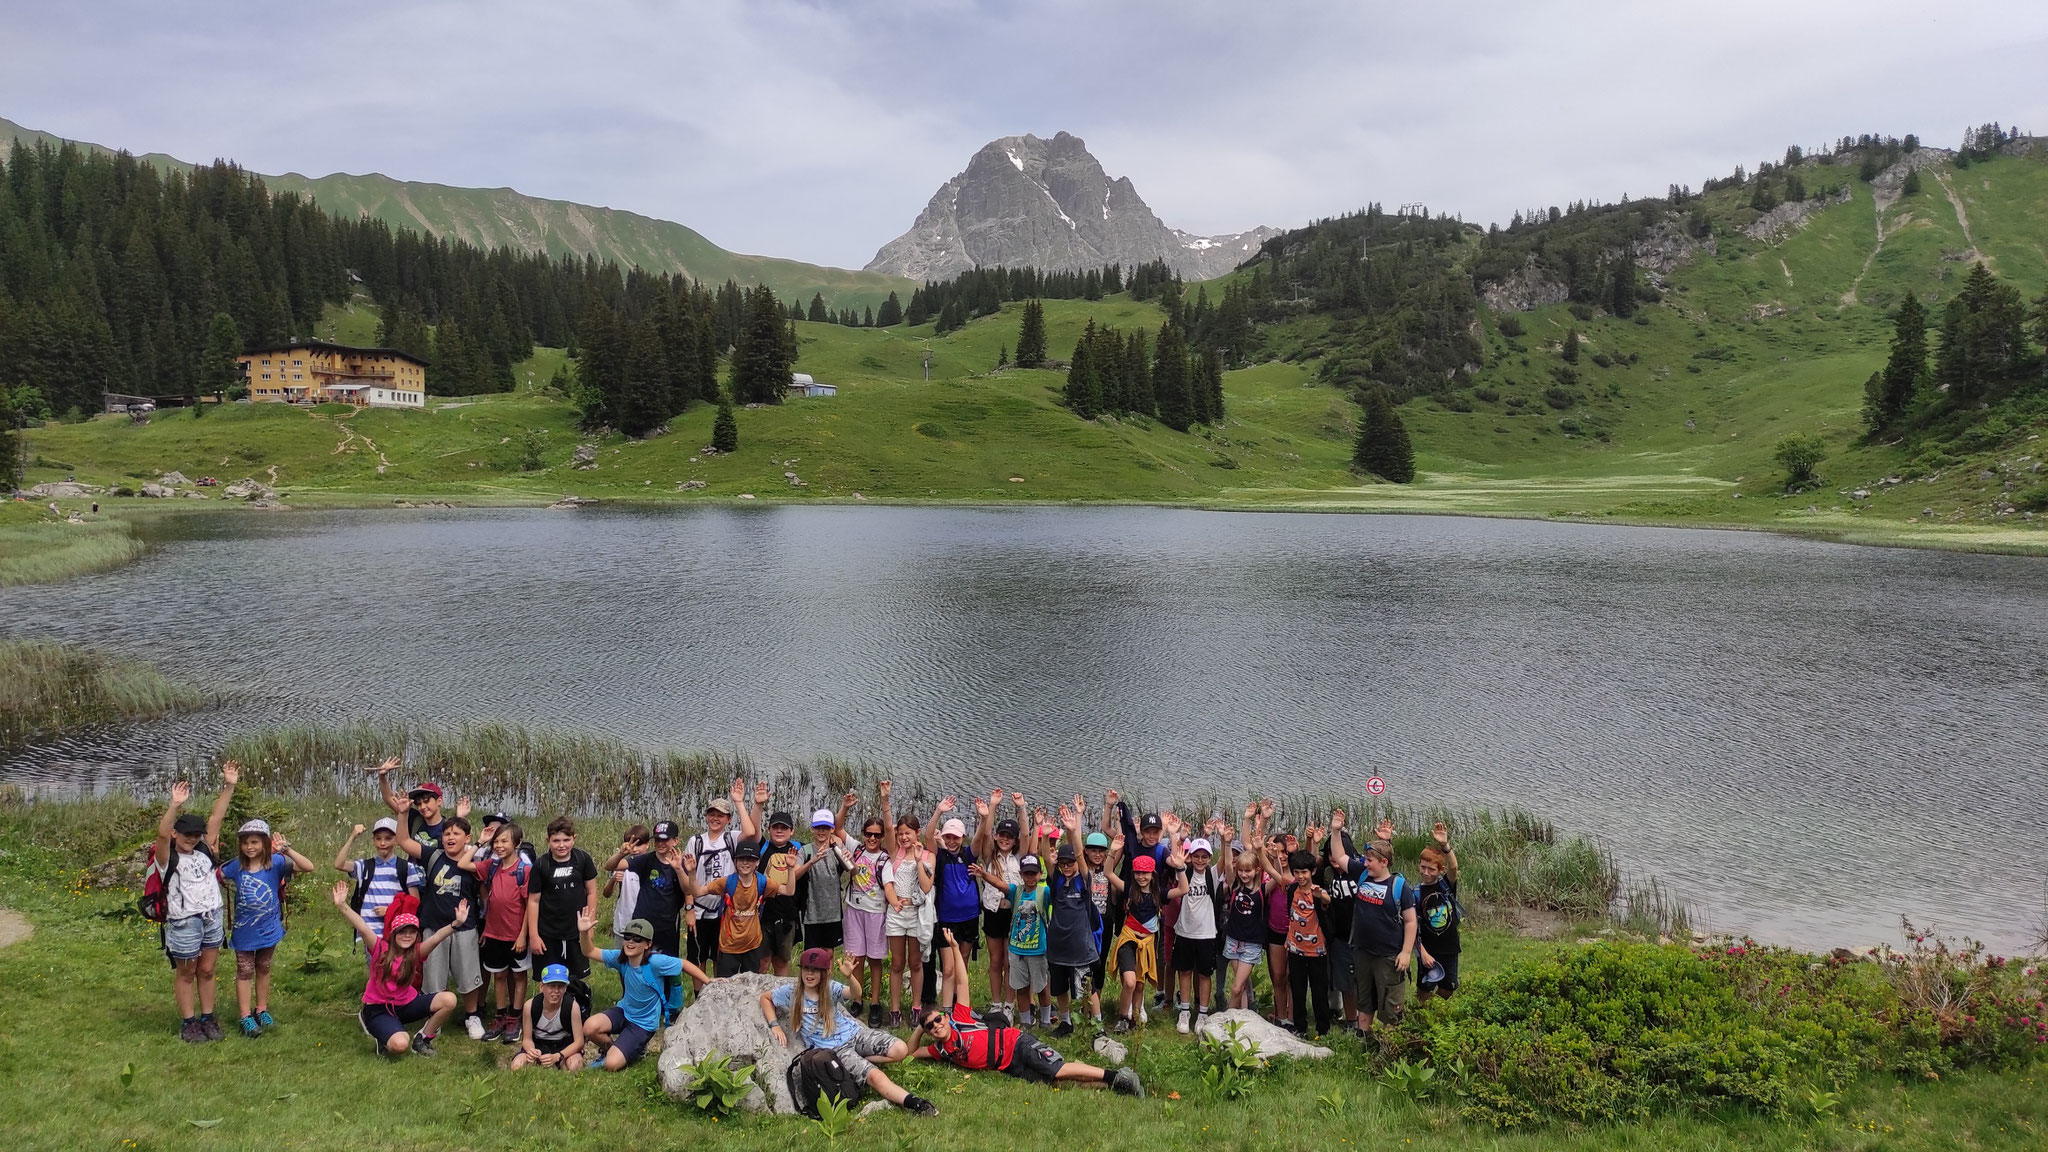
(817, 130)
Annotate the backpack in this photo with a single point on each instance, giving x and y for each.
(695, 846)
(732, 885)
(155, 904)
(368, 865)
(817, 1077)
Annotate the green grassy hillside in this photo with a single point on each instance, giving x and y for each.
(502, 217)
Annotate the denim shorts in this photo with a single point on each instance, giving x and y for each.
(1240, 952)
(187, 936)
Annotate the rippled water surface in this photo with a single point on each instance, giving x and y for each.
(1809, 739)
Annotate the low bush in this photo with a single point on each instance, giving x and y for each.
(1511, 326)
(1582, 311)
(1486, 394)
(1560, 398)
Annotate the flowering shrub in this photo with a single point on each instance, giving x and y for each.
(1957, 1007)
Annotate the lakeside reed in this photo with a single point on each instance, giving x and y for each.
(49, 690)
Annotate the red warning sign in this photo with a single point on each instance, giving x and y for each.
(1376, 786)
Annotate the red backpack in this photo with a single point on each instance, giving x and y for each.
(155, 903)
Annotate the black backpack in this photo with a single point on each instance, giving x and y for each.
(817, 1077)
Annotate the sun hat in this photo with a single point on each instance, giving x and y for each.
(387, 824)
(1144, 864)
(815, 958)
(1096, 840)
(721, 805)
(254, 828)
(782, 820)
(555, 974)
(425, 788)
(953, 828)
(640, 928)
(823, 818)
(190, 824)
(1200, 844)
(496, 818)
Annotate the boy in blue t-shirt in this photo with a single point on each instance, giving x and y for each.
(257, 874)
(1382, 923)
(1030, 970)
(622, 1032)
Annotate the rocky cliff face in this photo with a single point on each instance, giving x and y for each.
(1027, 202)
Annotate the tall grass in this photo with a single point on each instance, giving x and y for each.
(49, 689)
(1507, 857)
(39, 553)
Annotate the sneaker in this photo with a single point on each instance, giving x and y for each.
(1181, 1026)
(473, 1026)
(192, 1032)
(211, 1025)
(918, 1104)
(511, 1033)
(423, 1044)
(263, 1019)
(875, 1016)
(1065, 1028)
(1125, 1081)
(1123, 1024)
(250, 1028)
(1201, 1020)
(496, 1028)
(895, 1019)
(1142, 1018)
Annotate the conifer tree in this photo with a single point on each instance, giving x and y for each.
(1138, 377)
(1571, 346)
(1031, 336)
(1622, 300)
(867, 317)
(1911, 185)
(1082, 387)
(1905, 372)
(219, 371)
(725, 431)
(1982, 337)
(817, 313)
(1002, 355)
(2038, 318)
(761, 360)
(891, 313)
(1212, 382)
(1383, 448)
(1170, 379)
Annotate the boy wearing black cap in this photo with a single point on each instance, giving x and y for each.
(186, 849)
(710, 854)
(742, 897)
(780, 858)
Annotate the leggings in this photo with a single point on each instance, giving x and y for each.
(1306, 974)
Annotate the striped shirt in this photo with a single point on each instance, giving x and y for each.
(383, 886)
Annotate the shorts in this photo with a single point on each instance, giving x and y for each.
(908, 922)
(1382, 988)
(251, 961)
(704, 942)
(499, 956)
(1197, 956)
(383, 1021)
(454, 966)
(627, 1036)
(780, 937)
(546, 1046)
(996, 926)
(966, 933)
(1030, 973)
(868, 1042)
(667, 941)
(1069, 979)
(1239, 952)
(827, 936)
(1097, 972)
(734, 963)
(567, 952)
(864, 936)
(1447, 981)
(1034, 1062)
(187, 936)
(1127, 958)
(1342, 980)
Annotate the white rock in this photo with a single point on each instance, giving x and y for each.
(64, 489)
(173, 479)
(726, 1018)
(1111, 1051)
(156, 491)
(1269, 1040)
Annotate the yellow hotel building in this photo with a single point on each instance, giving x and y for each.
(315, 372)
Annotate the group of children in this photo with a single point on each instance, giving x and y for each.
(1068, 908)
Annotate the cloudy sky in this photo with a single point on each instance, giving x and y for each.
(817, 130)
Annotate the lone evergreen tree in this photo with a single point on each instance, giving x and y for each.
(818, 314)
(1622, 300)
(725, 431)
(1383, 449)
(1031, 336)
(761, 360)
(219, 371)
(891, 313)
(1905, 372)
(1911, 185)
(1082, 386)
(1982, 337)
(1170, 379)
(1571, 346)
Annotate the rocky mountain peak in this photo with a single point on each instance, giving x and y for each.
(1024, 201)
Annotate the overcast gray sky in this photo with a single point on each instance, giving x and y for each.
(817, 131)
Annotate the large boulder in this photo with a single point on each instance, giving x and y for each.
(726, 1018)
(248, 489)
(64, 489)
(1268, 1039)
(157, 491)
(173, 480)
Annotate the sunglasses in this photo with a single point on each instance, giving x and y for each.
(636, 940)
(872, 835)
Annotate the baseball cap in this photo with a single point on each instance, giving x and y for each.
(1097, 840)
(953, 828)
(665, 830)
(1144, 864)
(555, 974)
(254, 828)
(1150, 822)
(1006, 828)
(1065, 855)
(782, 820)
(189, 823)
(1028, 864)
(1200, 844)
(425, 788)
(640, 928)
(815, 958)
(498, 818)
(720, 805)
(402, 920)
(823, 818)
(747, 850)
(387, 824)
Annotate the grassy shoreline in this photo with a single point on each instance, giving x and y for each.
(50, 690)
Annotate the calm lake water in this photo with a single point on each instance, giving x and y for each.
(1808, 740)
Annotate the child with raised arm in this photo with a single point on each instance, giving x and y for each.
(1196, 938)
(552, 1033)
(820, 866)
(912, 867)
(1244, 906)
(996, 846)
(812, 1008)
(1382, 923)
(391, 995)
(377, 878)
(621, 1032)
(870, 883)
(1136, 943)
(1072, 924)
(263, 864)
(186, 852)
(966, 1041)
(505, 878)
(1308, 961)
(1437, 913)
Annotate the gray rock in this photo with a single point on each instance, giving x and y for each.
(726, 1019)
(173, 480)
(156, 491)
(1027, 202)
(64, 489)
(1526, 289)
(585, 457)
(1269, 1040)
(1112, 1052)
(248, 489)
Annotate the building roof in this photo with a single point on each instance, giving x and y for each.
(325, 346)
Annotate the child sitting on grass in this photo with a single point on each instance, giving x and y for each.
(553, 1032)
(258, 873)
(622, 1031)
(185, 853)
(391, 995)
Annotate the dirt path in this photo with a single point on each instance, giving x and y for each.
(1962, 220)
(1879, 202)
(14, 927)
(349, 436)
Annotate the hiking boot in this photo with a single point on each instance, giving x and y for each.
(473, 1026)
(1065, 1029)
(918, 1104)
(875, 1016)
(1125, 1081)
(895, 1019)
(1123, 1024)
(495, 1030)
(250, 1028)
(211, 1025)
(1181, 1026)
(511, 1033)
(423, 1044)
(263, 1019)
(192, 1032)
